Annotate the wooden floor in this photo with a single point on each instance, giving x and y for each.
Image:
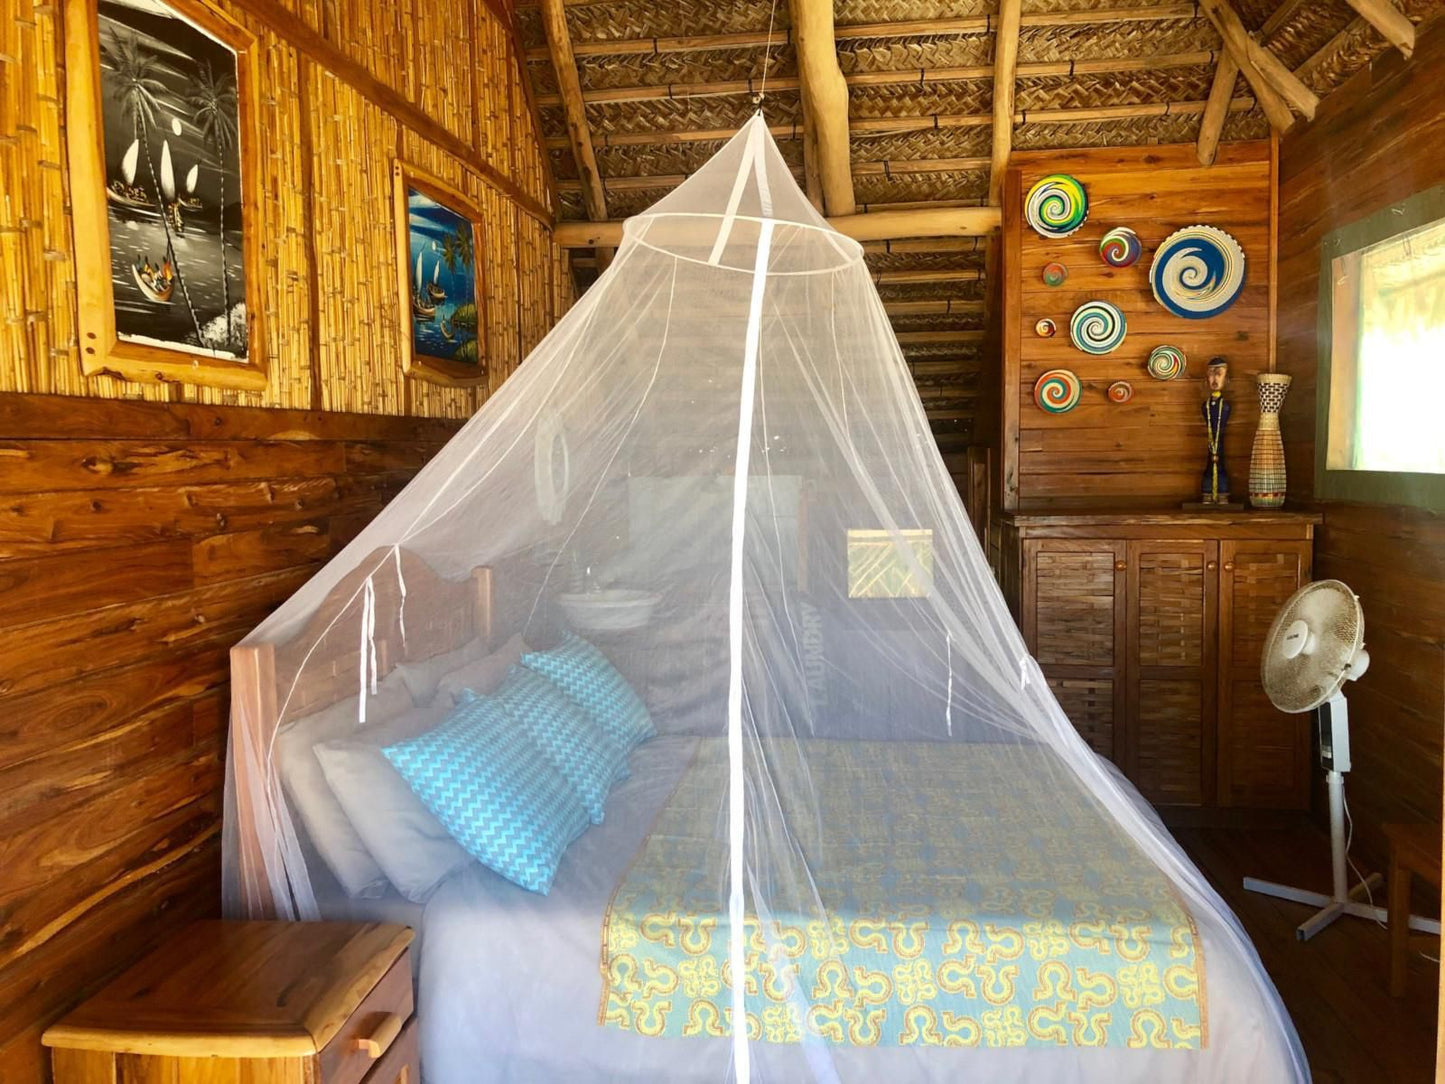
(1336, 985)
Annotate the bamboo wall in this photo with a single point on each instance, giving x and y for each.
(347, 85)
(144, 529)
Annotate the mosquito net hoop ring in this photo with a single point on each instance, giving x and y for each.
(676, 706)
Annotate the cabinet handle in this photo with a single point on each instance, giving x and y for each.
(1120, 565)
(1209, 565)
(382, 1038)
(1229, 566)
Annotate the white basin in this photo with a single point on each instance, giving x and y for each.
(616, 609)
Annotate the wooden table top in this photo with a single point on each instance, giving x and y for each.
(238, 989)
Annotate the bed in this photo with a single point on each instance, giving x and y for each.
(944, 937)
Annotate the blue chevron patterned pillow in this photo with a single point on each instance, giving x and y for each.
(584, 674)
(494, 790)
(589, 758)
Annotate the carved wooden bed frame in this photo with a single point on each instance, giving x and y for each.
(271, 686)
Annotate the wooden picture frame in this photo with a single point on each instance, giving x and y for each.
(429, 337)
(106, 348)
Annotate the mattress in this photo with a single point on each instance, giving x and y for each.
(520, 987)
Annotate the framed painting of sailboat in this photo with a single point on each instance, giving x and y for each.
(439, 246)
(161, 126)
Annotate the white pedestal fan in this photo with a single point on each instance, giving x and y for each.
(1316, 644)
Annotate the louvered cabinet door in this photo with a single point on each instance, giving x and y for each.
(1264, 754)
(1169, 727)
(1073, 621)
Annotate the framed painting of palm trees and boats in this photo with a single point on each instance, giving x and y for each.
(439, 245)
(162, 129)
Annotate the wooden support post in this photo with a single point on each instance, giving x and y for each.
(1273, 83)
(579, 134)
(1392, 24)
(1216, 109)
(1005, 59)
(825, 94)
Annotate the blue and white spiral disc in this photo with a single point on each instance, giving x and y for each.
(1198, 272)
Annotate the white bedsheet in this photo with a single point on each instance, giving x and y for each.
(510, 985)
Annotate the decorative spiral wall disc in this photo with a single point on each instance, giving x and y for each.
(1056, 206)
(1055, 274)
(1166, 363)
(1045, 328)
(1097, 327)
(1121, 391)
(1120, 247)
(1198, 272)
(1058, 391)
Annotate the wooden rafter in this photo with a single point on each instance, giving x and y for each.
(907, 77)
(882, 225)
(579, 134)
(1005, 61)
(1392, 24)
(825, 97)
(1226, 74)
(1274, 83)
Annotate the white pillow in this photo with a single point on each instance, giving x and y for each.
(311, 799)
(414, 851)
(484, 676)
(422, 677)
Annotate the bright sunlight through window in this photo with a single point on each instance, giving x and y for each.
(1388, 372)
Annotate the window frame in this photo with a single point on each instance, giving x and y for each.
(1417, 489)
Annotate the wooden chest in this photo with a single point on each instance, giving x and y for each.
(251, 1003)
(1149, 627)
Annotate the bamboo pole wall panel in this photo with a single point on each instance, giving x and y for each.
(347, 85)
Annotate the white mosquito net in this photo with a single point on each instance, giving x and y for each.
(851, 784)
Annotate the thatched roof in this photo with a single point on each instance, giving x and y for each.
(665, 83)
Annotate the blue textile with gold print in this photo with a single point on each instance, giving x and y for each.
(911, 900)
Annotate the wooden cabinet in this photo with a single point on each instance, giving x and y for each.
(1149, 628)
(252, 1003)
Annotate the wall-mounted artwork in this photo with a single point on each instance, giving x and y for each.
(161, 129)
(439, 249)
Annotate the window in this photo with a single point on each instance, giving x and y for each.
(1382, 358)
(882, 564)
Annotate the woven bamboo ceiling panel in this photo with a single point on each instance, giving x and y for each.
(664, 84)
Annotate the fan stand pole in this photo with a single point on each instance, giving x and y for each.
(1342, 900)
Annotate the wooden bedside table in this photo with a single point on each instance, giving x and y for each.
(251, 1003)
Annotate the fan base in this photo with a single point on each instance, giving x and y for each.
(1331, 908)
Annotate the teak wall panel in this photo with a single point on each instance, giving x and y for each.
(340, 79)
(138, 542)
(1148, 452)
(1374, 142)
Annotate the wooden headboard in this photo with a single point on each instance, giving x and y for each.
(272, 683)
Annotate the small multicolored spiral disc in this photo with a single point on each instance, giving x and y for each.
(1056, 206)
(1097, 327)
(1120, 247)
(1121, 391)
(1058, 391)
(1166, 363)
(1055, 274)
(1045, 328)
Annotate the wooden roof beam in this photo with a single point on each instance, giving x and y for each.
(1392, 24)
(579, 135)
(881, 225)
(1276, 86)
(917, 28)
(825, 103)
(1226, 74)
(949, 306)
(1005, 61)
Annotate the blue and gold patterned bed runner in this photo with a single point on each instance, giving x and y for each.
(923, 899)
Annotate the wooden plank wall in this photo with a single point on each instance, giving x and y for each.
(144, 529)
(1150, 451)
(1375, 141)
(348, 85)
